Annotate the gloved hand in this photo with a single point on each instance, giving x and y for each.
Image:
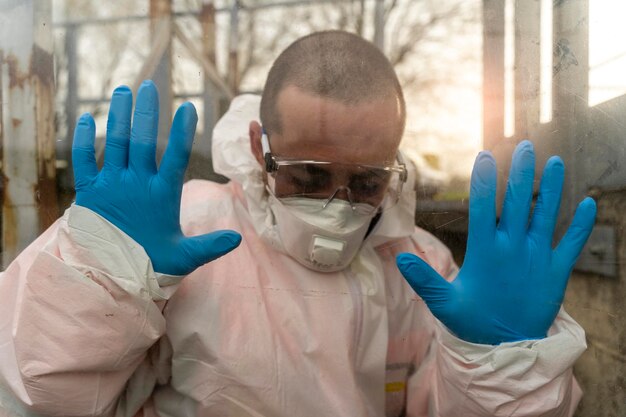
(132, 193)
(512, 282)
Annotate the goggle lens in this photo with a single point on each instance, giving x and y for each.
(359, 185)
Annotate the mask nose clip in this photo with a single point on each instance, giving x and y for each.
(333, 195)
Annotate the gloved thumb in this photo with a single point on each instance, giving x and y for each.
(208, 247)
(426, 282)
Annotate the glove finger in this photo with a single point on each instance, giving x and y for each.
(572, 243)
(83, 154)
(518, 197)
(176, 155)
(118, 128)
(482, 205)
(427, 283)
(546, 210)
(206, 248)
(143, 137)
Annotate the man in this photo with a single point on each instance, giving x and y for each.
(115, 310)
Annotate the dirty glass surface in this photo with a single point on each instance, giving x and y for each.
(475, 74)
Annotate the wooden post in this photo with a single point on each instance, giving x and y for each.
(493, 72)
(211, 94)
(379, 25)
(233, 40)
(66, 180)
(161, 20)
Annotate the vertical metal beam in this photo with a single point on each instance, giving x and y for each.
(201, 163)
(233, 41)
(28, 160)
(379, 25)
(71, 103)
(211, 93)
(527, 66)
(571, 93)
(494, 87)
(160, 11)
(493, 72)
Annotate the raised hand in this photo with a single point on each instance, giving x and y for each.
(130, 192)
(512, 282)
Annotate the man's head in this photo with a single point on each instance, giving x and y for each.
(332, 96)
(334, 114)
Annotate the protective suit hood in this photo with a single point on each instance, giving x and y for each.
(233, 158)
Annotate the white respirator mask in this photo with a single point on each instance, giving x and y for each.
(323, 239)
(322, 210)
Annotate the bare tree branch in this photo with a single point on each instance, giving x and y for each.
(418, 33)
(389, 9)
(251, 46)
(360, 18)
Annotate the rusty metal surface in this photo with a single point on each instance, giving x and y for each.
(28, 135)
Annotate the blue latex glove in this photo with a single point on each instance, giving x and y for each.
(132, 193)
(512, 282)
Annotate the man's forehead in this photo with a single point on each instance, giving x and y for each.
(314, 127)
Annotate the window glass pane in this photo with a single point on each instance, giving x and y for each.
(475, 75)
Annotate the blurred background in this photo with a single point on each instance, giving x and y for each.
(477, 74)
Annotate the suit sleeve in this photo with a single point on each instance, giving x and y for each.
(78, 313)
(526, 378)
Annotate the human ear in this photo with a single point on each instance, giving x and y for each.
(255, 131)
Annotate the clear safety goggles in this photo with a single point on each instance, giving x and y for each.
(368, 188)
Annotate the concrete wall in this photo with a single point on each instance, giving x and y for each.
(599, 304)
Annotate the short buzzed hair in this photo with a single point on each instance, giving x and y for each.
(331, 64)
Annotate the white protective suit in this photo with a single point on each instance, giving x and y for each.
(88, 329)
